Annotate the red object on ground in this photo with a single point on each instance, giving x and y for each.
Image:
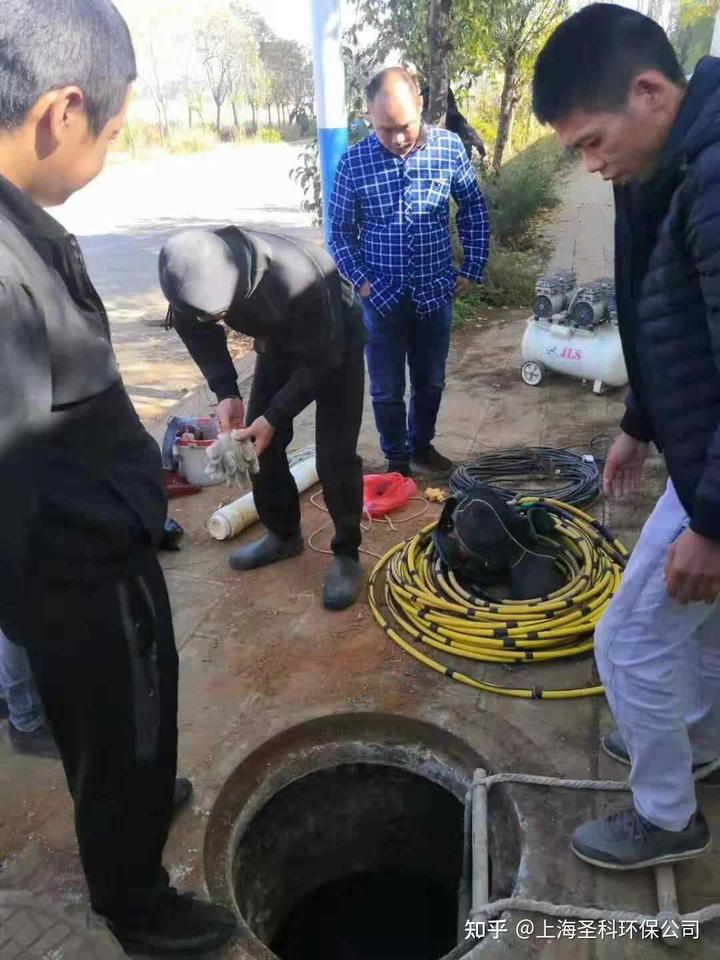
(385, 492)
(177, 487)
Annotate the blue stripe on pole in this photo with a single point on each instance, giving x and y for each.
(333, 144)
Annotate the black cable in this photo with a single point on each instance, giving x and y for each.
(566, 476)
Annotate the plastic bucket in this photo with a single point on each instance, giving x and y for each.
(192, 455)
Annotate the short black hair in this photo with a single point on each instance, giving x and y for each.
(378, 82)
(590, 61)
(49, 44)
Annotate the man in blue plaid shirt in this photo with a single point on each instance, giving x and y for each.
(390, 225)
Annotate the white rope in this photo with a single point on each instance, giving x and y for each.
(365, 527)
(565, 910)
(608, 785)
(495, 907)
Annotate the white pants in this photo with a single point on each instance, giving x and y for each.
(660, 663)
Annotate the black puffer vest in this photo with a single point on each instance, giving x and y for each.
(668, 278)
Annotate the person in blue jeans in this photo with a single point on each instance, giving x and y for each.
(390, 237)
(21, 703)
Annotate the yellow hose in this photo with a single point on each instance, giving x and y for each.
(430, 610)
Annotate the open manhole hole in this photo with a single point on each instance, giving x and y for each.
(346, 838)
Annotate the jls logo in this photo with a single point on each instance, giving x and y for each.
(569, 353)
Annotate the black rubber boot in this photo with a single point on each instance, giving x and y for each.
(269, 549)
(343, 584)
(181, 925)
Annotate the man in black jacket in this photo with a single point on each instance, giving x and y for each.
(609, 82)
(289, 297)
(83, 498)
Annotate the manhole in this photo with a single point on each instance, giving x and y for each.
(345, 837)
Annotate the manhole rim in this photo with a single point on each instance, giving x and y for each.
(395, 731)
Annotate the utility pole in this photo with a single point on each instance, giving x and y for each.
(715, 46)
(330, 108)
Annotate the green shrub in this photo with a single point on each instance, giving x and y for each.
(509, 281)
(269, 135)
(141, 137)
(138, 136)
(191, 141)
(292, 132)
(518, 199)
(510, 277)
(523, 192)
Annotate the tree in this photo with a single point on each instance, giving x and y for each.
(438, 60)
(162, 88)
(193, 90)
(508, 35)
(217, 50)
(156, 44)
(692, 30)
(253, 79)
(395, 25)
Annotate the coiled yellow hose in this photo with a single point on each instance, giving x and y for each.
(434, 611)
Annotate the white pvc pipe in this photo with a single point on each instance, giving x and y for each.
(229, 521)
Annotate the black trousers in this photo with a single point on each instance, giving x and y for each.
(106, 666)
(339, 415)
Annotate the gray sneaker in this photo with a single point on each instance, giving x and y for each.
(614, 746)
(627, 841)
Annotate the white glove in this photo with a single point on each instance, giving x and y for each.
(232, 459)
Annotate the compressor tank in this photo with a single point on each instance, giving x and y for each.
(586, 354)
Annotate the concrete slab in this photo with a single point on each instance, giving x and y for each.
(259, 657)
(40, 928)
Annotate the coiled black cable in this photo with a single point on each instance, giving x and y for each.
(553, 473)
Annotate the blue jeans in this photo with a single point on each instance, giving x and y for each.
(422, 340)
(18, 685)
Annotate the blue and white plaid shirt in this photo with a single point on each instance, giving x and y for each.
(390, 220)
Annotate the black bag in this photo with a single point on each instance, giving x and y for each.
(487, 541)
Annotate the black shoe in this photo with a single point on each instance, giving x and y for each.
(399, 466)
(269, 549)
(180, 926)
(614, 746)
(38, 743)
(627, 841)
(431, 460)
(343, 584)
(181, 796)
(4, 712)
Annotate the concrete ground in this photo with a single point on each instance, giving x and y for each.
(259, 656)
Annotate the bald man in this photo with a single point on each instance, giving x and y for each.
(390, 225)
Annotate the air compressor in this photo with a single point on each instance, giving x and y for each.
(574, 331)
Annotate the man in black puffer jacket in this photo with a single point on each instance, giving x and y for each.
(609, 83)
